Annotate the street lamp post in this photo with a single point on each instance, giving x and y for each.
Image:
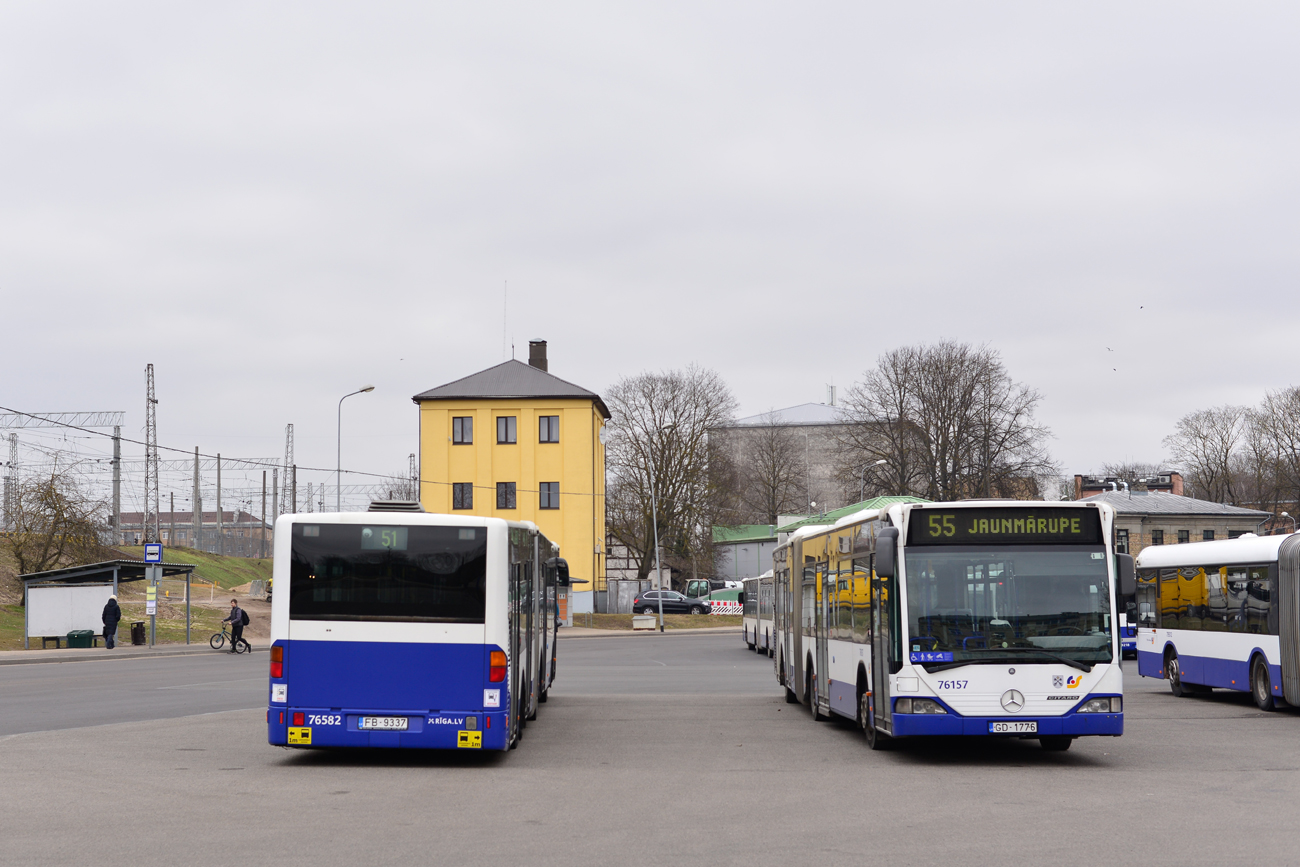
(862, 495)
(654, 518)
(338, 478)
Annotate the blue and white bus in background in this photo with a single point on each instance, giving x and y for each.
(1223, 614)
(396, 628)
(988, 618)
(756, 613)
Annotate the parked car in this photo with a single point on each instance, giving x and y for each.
(674, 603)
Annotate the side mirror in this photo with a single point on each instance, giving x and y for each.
(1126, 574)
(740, 597)
(886, 552)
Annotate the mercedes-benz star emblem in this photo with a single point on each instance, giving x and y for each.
(1013, 701)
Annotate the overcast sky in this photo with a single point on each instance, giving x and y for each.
(277, 203)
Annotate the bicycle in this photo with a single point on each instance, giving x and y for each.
(219, 639)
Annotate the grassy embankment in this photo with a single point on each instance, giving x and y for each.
(210, 604)
(671, 621)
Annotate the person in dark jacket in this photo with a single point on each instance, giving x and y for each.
(112, 614)
(236, 621)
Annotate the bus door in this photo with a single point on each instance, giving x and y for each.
(516, 608)
(881, 636)
(530, 637)
(825, 610)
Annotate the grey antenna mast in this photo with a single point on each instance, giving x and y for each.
(286, 491)
(151, 533)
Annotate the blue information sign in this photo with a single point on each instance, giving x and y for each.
(153, 552)
(932, 656)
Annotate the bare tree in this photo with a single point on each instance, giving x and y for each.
(1278, 419)
(659, 439)
(54, 523)
(1130, 471)
(773, 469)
(949, 422)
(1205, 443)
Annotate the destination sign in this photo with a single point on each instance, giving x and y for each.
(1012, 525)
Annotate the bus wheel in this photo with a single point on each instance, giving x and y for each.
(876, 740)
(790, 696)
(1055, 744)
(1175, 675)
(814, 706)
(1261, 685)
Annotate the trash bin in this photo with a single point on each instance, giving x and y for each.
(137, 632)
(81, 638)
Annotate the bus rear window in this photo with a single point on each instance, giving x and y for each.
(388, 573)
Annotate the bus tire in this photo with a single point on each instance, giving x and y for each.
(814, 706)
(1055, 743)
(1261, 684)
(1175, 675)
(876, 739)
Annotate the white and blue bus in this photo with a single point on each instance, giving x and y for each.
(756, 611)
(966, 618)
(1222, 614)
(395, 628)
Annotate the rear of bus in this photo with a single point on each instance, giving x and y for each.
(383, 632)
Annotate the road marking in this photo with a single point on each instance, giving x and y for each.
(212, 683)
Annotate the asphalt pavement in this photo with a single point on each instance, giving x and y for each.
(672, 749)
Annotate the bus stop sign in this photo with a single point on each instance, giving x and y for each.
(153, 552)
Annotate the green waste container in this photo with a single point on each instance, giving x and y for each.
(81, 638)
(137, 632)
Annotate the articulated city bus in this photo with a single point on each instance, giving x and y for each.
(1222, 614)
(756, 621)
(405, 629)
(966, 618)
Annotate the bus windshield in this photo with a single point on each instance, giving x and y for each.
(395, 573)
(983, 604)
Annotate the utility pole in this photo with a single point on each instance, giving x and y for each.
(293, 499)
(263, 533)
(117, 484)
(285, 508)
(11, 482)
(221, 539)
(196, 516)
(150, 460)
(415, 479)
(275, 503)
(171, 535)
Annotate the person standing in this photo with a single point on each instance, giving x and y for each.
(237, 619)
(112, 615)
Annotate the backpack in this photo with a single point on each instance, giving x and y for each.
(243, 617)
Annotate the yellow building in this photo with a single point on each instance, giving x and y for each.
(516, 442)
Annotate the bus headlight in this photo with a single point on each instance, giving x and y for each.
(918, 705)
(1114, 704)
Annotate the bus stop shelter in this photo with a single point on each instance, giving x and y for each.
(74, 596)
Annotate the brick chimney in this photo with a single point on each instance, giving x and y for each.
(537, 354)
(1176, 479)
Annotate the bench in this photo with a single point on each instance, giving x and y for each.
(59, 639)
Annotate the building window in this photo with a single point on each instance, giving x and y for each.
(548, 429)
(1236, 534)
(462, 430)
(1121, 541)
(1184, 536)
(506, 429)
(550, 495)
(1207, 535)
(462, 495)
(1157, 537)
(505, 495)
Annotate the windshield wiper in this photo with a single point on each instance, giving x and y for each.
(1009, 651)
(1073, 663)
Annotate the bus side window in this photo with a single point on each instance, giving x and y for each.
(1261, 613)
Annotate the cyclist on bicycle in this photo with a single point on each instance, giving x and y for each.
(236, 621)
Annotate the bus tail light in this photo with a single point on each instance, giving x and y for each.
(277, 661)
(497, 666)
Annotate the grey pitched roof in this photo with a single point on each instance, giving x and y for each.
(1160, 503)
(804, 413)
(511, 380)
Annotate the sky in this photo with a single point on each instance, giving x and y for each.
(278, 203)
